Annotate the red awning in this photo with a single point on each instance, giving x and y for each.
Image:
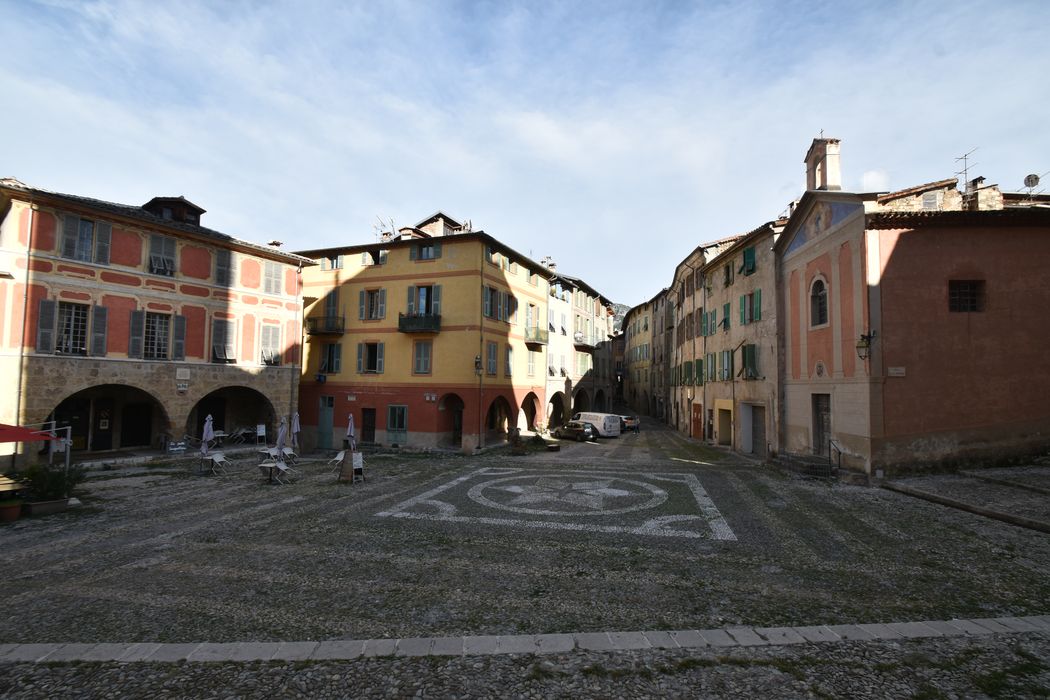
(16, 433)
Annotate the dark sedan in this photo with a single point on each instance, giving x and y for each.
(576, 430)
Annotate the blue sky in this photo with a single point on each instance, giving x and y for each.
(611, 136)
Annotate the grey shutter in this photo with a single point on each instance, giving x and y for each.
(222, 267)
(337, 359)
(103, 232)
(360, 358)
(178, 347)
(411, 308)
(412, 252)
(435, 300)
(45, 328)
(138, 330)
(437, 249)
(361, 305)
(382, 303)
(98, 330)
(324, 263)
(70, 228)
(379, 358)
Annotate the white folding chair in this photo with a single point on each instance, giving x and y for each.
(289, 455)
(337, 461)
(219, 463)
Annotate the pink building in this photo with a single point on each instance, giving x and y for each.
(912, 322)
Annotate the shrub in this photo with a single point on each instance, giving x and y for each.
(48, 483)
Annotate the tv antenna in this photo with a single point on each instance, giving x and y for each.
(966, 165)
(379, 229)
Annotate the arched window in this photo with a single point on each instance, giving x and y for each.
(818, 304)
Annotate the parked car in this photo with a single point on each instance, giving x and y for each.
(576, 430)
(630, 423)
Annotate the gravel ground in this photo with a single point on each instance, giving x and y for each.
(169, 557)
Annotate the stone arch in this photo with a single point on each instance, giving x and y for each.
(113, 416)
(231, 408)
(530, 408)
(581, 401)
(556, 411)
(498, 420)
(450, 420)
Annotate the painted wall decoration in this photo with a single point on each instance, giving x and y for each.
(823, 217)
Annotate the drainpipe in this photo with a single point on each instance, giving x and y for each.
(481, 351)
(292, 398)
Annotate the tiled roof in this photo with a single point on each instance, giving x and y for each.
(917, 189)
(1014, 216)
(129, 211)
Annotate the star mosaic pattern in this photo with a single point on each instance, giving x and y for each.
(648, 504)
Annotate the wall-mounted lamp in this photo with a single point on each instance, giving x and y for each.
(477, 365)
(864, 345)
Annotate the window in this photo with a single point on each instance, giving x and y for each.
(272, 278)
(550, 321)
(699, 365)
(370, 358)
(424, 300)
(750, 356)
(156, 337)
(270, 344)
(425, 251)
(331, 262)
(397, 423)
(726, 365)
(331, 304)
(532, 362)
(85, 240)
(564, 325)
(223, 338)
(747, 265)
(508, 361)
(331, 358)
(371, 304)
(818, 304)
(490, 358)
(373, 257)
(965, 295)
(751, 307)
(224, 268)
(725, 316)
(727, 274)
(72, 329)
(162, 255)
(421, 356)
(491, 255)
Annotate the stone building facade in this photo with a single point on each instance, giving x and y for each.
(131, 324)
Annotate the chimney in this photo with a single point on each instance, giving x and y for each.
(822, 165)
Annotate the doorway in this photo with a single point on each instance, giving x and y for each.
(102, 425)
(758, 431)
(821, 423)
(696, 428)
(136, 422)
(368, 425)
(725, 426)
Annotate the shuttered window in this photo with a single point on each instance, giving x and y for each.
(99, 317)
(223, 336)
(272, 278)
(270, 344)
(224, 268)
(162, 255)
(370, 358)
(85, 240)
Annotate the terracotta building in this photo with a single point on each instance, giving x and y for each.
(132, 323)
(912, 321)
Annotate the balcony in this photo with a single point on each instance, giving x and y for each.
(581, 340)
(419, 323)
(536, 336)
(325, 325)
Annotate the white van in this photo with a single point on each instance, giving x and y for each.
(607, 424)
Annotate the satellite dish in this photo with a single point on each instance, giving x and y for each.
(1031, 180)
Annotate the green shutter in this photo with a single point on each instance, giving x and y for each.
(45, 326)
(435, 300)
(361, 305)
(703, 323)
(757, 313)
(743, 309)
(437, 249)
(726, 311)
(360, 358)
(411, 307)
(379, 358)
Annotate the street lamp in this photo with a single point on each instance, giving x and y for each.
(864, 345)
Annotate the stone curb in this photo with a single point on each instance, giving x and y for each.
(1008, 518)
(345, 650)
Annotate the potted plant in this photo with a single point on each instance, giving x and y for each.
(48, 488)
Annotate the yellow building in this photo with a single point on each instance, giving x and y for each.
(435, 336)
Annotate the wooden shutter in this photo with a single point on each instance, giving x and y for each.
(757, 313)
(743, 309)
(222, 267)
(103, 233)
(382, 303)
(70, 228)
(45, 326)
(411, 306)
(178, 346)
(379, 358)
(362, 297)
(138, 330)
(435, 300)
(337, 358)
(98, 330)
(360, 358)
(437, 249)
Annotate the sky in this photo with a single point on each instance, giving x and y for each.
(613, 137)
